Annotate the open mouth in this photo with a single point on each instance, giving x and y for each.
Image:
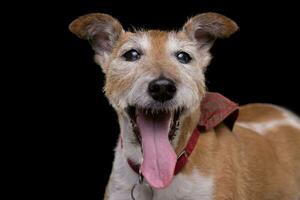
(156, 116)
(155, 130)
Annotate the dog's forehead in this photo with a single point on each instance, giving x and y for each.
(155, 39)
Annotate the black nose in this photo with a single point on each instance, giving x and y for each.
(162, 89)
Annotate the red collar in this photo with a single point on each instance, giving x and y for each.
(215, 109)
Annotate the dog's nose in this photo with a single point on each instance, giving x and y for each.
(162, 89)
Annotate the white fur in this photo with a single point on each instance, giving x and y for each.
(192, 187)
(201, 57)
(292, 119)
(140, 42)
(129, 150)
(138, 94)
(263, 127)
(174, 44)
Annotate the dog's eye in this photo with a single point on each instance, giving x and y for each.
(183, 57)
(132, 55)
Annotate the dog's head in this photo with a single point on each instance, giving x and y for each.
(155, 81)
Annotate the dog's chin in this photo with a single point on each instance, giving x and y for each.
(173, 116)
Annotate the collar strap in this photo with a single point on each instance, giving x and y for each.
(182, 157)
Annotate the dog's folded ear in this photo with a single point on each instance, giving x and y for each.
(207, 27)
(101, 30)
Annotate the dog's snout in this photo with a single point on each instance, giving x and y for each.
(162, 89)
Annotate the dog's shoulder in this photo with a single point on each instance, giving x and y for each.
(265, 118)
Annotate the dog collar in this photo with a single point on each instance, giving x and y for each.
(215, 109)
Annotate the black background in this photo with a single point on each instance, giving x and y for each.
(257, 64)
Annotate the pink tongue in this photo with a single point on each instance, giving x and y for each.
(159, 157)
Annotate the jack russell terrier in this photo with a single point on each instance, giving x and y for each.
(178, 141)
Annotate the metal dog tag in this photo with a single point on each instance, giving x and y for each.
(141, 192)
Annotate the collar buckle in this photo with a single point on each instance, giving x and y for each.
(182, 153)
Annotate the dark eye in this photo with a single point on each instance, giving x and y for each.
(183, 57)
(132, 55)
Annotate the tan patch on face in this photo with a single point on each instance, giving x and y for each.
(160, 56)
(158, 41)
(118, 80)
(122, 40)
(155, 62)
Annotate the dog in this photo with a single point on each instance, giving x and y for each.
(178, 141)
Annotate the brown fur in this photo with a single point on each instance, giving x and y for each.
(247, 165)
(80, 26)
(249, 113)
(213, 23)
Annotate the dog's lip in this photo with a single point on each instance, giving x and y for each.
(133, 112)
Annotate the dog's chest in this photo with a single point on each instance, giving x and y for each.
(183, 187)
